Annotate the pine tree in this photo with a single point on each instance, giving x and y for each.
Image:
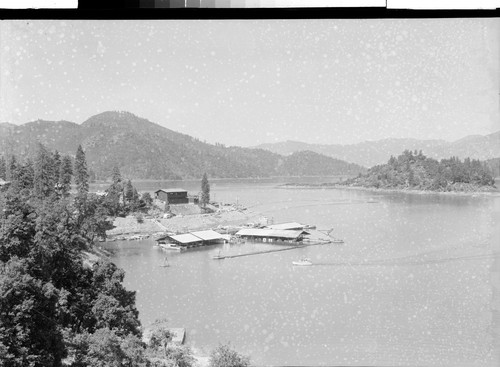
(44, 180)
(205, 191)
(129, 192)
(56, 166)
(11, 174)
(65, 174)
(116, 176)
(26, 175)
(81, 173)
(3, 168)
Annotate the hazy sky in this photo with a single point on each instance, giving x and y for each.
(246, 82)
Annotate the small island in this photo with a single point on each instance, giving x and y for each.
(413, 171)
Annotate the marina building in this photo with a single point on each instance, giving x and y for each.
(271, 235)
(191, 239)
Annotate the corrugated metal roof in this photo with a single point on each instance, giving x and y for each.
(291, 225)
(186, 238)
(171, 190)
(208, 235)
(258, 232)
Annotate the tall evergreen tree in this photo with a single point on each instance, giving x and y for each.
(44, 180)
(26, 175)
(81, 173)
(129, 192)
(205, 191)
(3, 168)
(11, 173)
(56, 166)
(65, 174)
(116, 176)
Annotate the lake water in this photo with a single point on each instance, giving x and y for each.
(414, 283)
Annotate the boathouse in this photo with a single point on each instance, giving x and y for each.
(192, 239)
(209, 237)
(186, 240)
(271, 235)
(172, 196)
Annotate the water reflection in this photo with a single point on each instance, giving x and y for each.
(411, 285)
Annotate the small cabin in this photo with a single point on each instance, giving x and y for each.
(172, 196)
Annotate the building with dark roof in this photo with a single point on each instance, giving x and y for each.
(172, 196)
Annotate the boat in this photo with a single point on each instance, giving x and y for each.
(171, 246)
(165, 263)
(337, 241)
(309, 226)
(303, 262)
(218, 256)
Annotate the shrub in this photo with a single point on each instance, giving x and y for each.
(224, 356)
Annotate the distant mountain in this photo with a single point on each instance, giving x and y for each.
(371, 153)
(145, 150)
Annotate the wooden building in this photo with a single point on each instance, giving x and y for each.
(172, 196)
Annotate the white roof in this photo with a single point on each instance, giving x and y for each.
(291, 225)
(186, 238)
(207, 235)
(257, 232)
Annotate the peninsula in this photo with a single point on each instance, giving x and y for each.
(413, 171)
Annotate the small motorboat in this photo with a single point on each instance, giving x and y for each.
(303, 262)
(337, 241)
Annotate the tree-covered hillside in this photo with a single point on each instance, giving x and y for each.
(414, 171)
(309, 163)
(62, 303)
(144, 150)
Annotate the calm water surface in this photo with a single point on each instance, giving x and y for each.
(413, 283)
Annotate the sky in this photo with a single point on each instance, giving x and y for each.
(247, 82)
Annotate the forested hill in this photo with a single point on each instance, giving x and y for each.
(415, 171)
(142, 149)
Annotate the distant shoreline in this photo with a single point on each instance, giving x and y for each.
(489, 192)
(134, 180)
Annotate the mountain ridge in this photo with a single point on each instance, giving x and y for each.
(143, 149)
(370, 153)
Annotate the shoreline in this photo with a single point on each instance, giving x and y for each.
(221, 179)
(129, 227)
(383, 190)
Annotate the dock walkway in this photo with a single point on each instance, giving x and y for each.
(222, 257)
